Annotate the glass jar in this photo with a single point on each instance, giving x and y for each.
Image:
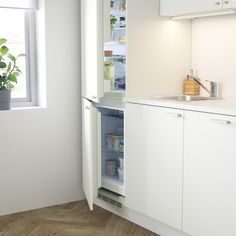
(109, 72)
(109, 141)
(112, 167)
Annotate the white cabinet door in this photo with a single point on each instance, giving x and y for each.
(107, 17)
(92, 49)
(209, 175)
(154, 159)
(89, 148)
(185, 7)
(228, 4)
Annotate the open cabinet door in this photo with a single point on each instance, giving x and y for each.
(92, 49)
(89, 116)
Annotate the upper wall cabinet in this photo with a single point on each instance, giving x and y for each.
(187, 7)
(229, 3)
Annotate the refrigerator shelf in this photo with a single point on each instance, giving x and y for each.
(117, 48)
(112, 117)
(113, 151)
(113, 184)
(118, 13)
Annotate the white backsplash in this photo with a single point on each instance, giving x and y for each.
(214, 51)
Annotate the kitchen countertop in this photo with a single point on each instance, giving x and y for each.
(224, 106)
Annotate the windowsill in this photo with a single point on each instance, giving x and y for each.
(27, 108)
(24, 108)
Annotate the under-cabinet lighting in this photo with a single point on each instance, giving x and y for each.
(218, 13)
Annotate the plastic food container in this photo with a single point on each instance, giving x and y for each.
(109, 141)
(111, 167)
(121, 161)
(121, 174)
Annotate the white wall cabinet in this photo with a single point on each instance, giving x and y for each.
(209, 175)
(229, 4)
(154, 159)
(187, 7)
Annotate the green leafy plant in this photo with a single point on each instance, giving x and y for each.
(113, 20)
(9, 71)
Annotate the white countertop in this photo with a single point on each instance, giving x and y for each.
(224, 106)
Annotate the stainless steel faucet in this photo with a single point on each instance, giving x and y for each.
(213, 88)
(213, 92)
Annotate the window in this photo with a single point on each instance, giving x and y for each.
(18, 26)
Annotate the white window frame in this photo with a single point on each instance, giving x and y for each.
(31, 62)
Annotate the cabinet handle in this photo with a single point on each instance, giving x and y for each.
(173, 114)
(217, 3)
(94, 97)
(87, 108)
(226, 2)
(222, 122)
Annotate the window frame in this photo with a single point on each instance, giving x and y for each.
(31, 62)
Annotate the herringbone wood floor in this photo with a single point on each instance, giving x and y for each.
(72, 219)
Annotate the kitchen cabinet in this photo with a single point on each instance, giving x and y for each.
(209, 175)
(92, 49)
(228, 4)
(97, 36)
(103, 151)
(191, 7)
(186, 7)
(154, 162)
(103, 111)
(89, 148)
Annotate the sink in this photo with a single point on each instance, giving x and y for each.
(187, 98)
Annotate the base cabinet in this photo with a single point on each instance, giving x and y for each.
(209, 205)
(154, 158)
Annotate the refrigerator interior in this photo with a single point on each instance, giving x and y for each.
(114, 45)
(112, 150)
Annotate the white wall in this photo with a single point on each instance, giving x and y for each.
(214, 51)
(40, 158)
(159, 50)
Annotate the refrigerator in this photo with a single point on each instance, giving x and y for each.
(103, 67)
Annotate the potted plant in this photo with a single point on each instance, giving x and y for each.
(9, 72)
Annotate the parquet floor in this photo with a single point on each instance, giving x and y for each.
(72, 219)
